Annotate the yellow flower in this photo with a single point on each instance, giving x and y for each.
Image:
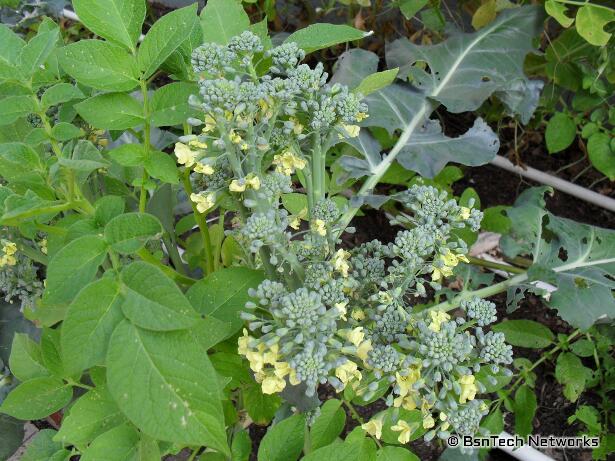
(373, 428)
(234, 137)
(428, 421)
(288, 162)
(356, 336)
(441, 272)
(244, 146)
(347, 372)
(437, 318)
(465, 212)
(204, 168)
(362, 116)
(341, 308)
(406, 402)
(297, 127)
(210, 124)
(363, 349)
(281, 369)
(253, 181)
(468, 388)
(204, 201)
(237, 185)
(7, 260)
(404, 429)
(358, 314)
(185, 155)
(197, 144)
(318, 226)
(272, 384)
(340, 262)
(352, 131)
(256, 359)
(405, 383)
(9, 248)
(43, 245)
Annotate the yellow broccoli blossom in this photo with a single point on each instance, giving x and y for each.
(373, 428)
(358, 314)
(448, 260)
(203, 168)
(362, 116)
(428, 421)
(341, 308)
(251, 181)
(363, 349)
(243, 342)
(348, 372)
(43, 245)
(297, 126)
(356, 336)
(407, 402)
(468, 388)
(404, 429)
(196, 144)
(405, 383)
(204, 201)
(340, 262)
(234, 137)
(9, 249)
(210, 124)
(465, 212)
(437, 318)
(318, 226)
(185, 155)
(272, 384)
(350, 131)
(288, 162)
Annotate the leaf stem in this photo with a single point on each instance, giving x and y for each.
(146, 144)
(179, 278)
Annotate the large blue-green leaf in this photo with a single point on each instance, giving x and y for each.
(578, 259)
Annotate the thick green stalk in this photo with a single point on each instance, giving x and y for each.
(202, 223)
(493, 265)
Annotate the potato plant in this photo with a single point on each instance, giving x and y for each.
(175, 212)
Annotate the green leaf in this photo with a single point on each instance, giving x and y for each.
(169, 104)
(591, 20)
(558, 11)
(241, 447)
(153, 301)
(560, 132)
(494, 422)
(350, 450)
(91, 416)
(26, 361)
(570, 372)
(284, 440)
(36, 52)
(484, 14)
(583, 348)
(11, 429)
(165, 36)
(18, 159)
(107, 208)
(128, 154)
(377, 81)
(60, 93)
(601, 155)
(494, 220)
(50, 350)
(395, 454)
(409, 8)
(324, 35)
(525, 408)
(261, 407)
(89, 322)
(111, 111)
(10, 44)
(71, 268)
(65, 131)
(224, 293)
(328, 425)
(223, 19)
(37, 398)
(14, 107)
(101, 65)
(119, 21)
(121, 442)
(574, 257)
(162, 166)
(43, 448)
(171, 392)
(525, 333)
(128, 233)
